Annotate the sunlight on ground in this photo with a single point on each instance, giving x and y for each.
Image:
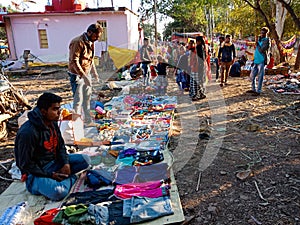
(194, 203)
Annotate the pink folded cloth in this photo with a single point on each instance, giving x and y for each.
(151, 189)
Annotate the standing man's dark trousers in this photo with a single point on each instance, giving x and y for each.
(217, 68)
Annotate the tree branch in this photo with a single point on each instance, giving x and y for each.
(250, 4)
(291, 12)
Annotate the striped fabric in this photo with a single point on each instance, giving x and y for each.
(196, 88)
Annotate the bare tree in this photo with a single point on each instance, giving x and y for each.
(291, 11)
(280, 17)
(296, 20)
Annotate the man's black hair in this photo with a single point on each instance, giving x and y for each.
(95, 28)
(241, 62)
(200, 38)
(265, 29)
(159, 57)
(46, 100)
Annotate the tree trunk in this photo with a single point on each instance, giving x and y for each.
(277, 41)
(291, 11)
(297, 62)
(297, 22)
(280, 18)
(280, 15)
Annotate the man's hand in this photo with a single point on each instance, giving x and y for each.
(65, 169)
(96, 77)
(59, 176)
(175, 72)
(87, 81)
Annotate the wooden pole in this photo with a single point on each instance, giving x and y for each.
(155, 25)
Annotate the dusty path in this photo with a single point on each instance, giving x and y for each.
(255, 135)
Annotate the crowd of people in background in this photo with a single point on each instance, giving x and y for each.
(190, 64)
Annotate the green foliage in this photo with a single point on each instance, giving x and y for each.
(171, 27)
(191, 15)
(148, 30)
(233, 17)
(8, 8)
(2, 33)
(289, 28)
(233, 20)
(188, 14)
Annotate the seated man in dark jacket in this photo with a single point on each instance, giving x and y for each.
(41, 154)
(235, 69)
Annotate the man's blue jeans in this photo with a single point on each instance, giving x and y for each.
(146, 76)
(82, 96)
(258, 70)
(140, 209)
(51, 188)
(73, 83)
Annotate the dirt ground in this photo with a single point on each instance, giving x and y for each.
(255, 178)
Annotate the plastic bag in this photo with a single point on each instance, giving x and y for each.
(72, 130)
(47, 217)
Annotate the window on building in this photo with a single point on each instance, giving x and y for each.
(43, 38)
(104, 26)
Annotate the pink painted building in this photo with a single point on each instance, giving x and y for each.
(47, 34)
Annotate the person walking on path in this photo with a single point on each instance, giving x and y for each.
(261, 58)
(221, 40)
(161, 81)
(145, 57)
(182, 70)
(202, 62)
(41, 154)
(81, 66)
(226, 57)
(196, 59)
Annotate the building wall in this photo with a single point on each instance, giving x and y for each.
(133, 33)
(61, 28)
